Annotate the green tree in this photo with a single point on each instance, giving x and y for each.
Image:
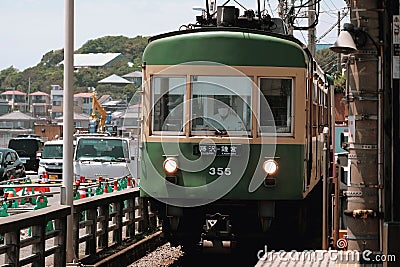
(327, 59)
(49, 71)
(339, 83)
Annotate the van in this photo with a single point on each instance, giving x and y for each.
(103, 156)
(29, 151)
(51, 161)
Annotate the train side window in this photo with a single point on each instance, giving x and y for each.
(276, 106)
(168, 104)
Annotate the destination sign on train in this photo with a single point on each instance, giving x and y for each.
(216, 149)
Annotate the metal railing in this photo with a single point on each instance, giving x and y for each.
(13, 227)
(105, 221)
(101, 223)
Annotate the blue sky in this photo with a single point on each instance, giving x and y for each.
(31, 28)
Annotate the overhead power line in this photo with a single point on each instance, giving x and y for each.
(331, 28)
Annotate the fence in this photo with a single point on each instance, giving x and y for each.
(101, 223)
(106, 221)
(12, 230)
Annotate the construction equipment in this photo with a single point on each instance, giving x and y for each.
(96, 125)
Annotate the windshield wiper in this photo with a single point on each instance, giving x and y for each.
(91, 159)
(119, 159)
(99, 159)
(217, 131)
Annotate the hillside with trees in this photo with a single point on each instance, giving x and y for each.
(48, 71)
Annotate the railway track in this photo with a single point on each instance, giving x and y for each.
(166, 255)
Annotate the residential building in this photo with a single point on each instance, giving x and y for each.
(57, 96)
(4, 107)
(104, 99)
(83, 103)
(134, 77)
(81, 121)
(127, 120)
(39, 104)
(17, 120)
(114, 105)
(16, 100)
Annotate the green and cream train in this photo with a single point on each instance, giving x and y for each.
(235, 132)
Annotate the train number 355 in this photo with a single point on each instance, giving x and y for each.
(220, 171)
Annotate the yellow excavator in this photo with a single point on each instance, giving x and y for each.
(96, 125)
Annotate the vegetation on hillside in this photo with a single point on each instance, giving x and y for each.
(49, 72)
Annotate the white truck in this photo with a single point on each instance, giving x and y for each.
(51, 161)
(105, 156)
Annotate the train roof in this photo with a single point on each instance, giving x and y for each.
(230, 46)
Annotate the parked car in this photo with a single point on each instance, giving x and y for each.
(51, 161)
(10, 164)
(29, 150)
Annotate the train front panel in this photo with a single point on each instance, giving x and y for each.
(189, 152)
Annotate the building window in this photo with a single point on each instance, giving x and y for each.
(87, 100)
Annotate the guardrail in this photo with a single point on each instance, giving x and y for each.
(14, 242)
(106, 221)
(101, 223)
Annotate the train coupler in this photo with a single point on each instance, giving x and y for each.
(217, 226)
(217, 234)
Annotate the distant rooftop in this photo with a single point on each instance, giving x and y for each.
(83, 95)
(77, 117)
(114, 79)
(135, 74)
(16, 116)
(13, 92)
(104, 98)
(93, 60)
(39, 93)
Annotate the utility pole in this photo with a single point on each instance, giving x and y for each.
(311, 30)
(281, 9)
(391, 128)
(290, 26)
(283, 14)
(68, 127)
(364, 204)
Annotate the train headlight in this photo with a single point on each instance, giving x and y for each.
(270, 167)
(170, 166)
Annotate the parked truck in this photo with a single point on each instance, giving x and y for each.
(104, 156)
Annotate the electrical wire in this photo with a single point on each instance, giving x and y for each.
(270, 8)
(331, 28)
(310, 3)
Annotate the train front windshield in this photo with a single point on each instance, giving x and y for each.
(218, 104)
(221, 103)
